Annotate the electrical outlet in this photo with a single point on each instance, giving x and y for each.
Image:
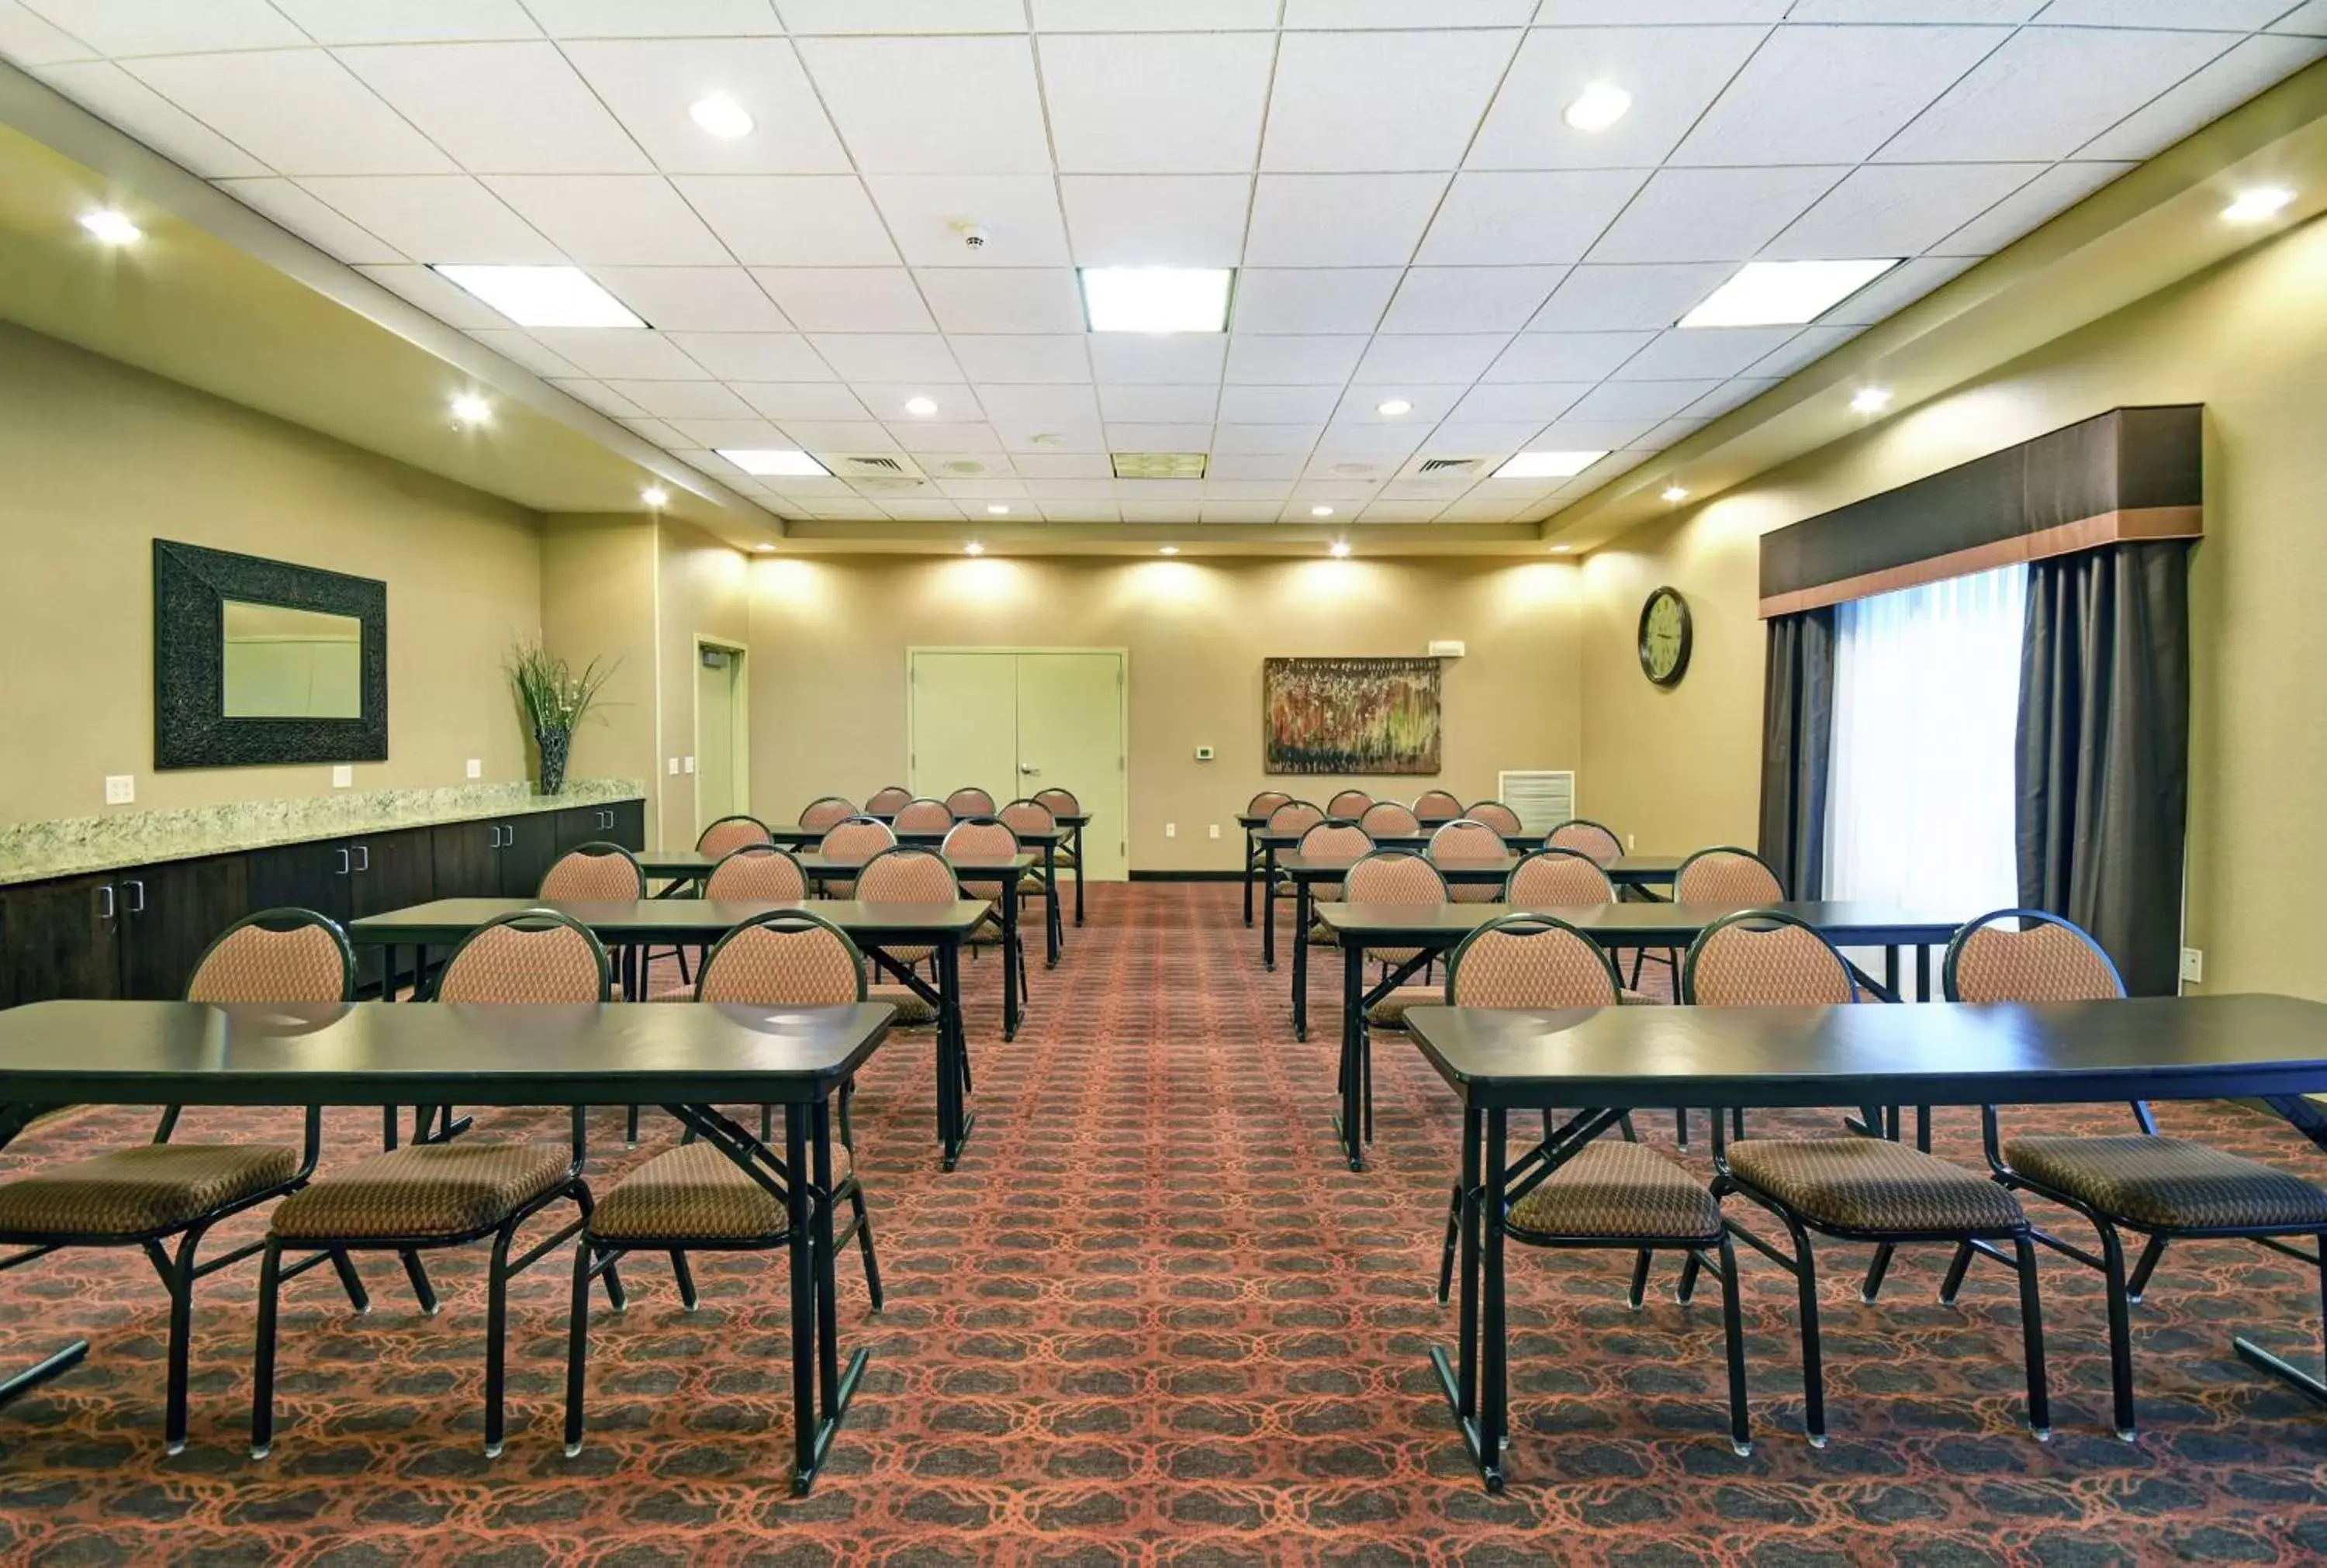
(120, 789)
(1204, 753)
(343, 775)
(1216, 830)
(476, 767)
(2194, 965)
(1171, 830)
(687, 765)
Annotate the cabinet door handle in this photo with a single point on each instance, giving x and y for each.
(346, 864)
(494, 829)
(137, 888)
(105, 903)
(364, 850)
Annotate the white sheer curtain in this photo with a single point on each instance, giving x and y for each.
(1926, 700)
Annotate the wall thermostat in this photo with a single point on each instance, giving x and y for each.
(1445, 649)
(1204, 753)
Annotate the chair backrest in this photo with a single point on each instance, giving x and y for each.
(981, 835)
(1727, 875)
(923, 816)
(1295, 817)
(856, 838)
(1466, 838)
(1389, 819)
(1557, 876)
(1495, 815)
(970, 801)
(1336, 838)
(2047, 959)
(1267, 802)
(1348, 803)
(594, 873)
(536, 957)
(887, 801)
(1530, 961)
(276, 955)
(907, 875)
(1764, 958)
(1061, 802)
(757, 872)
(1587, 837)
(1394, 877)
(732, 833)
(830, 811)
(1437, 805)
(784, 958)
(1029, 816)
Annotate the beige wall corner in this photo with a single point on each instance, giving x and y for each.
(597, 602)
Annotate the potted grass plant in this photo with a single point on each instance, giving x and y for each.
(555, 699)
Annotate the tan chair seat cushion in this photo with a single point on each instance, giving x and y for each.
(695, 1193)
(1628, 997)
(1322, 935)
(148, 1187)
(1873, 1184)
(1620, 1190)
(2169, 1183)
(914, 1010)
(1032, 882)
(1390, 1013)
(426, 1190)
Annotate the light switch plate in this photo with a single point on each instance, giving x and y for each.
(1216, 830)
(476, 767)
(120, 789)
(2194, 965)
(674, 767)
(687, 765)
(343, 775)
(1171, 830)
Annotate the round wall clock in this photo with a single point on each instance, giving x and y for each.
(1665, 636)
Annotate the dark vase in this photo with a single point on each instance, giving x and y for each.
(554, 744)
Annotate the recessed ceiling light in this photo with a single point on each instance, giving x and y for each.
(1674, 492)
(468, 408)
(1169, 550)
(110, 227)
(997, 510)
(655, 495)
(924, 407)
(1784, 293)
(1871, 399)
(2251, 207)
(1393, 408)
(1340, 548)
(1156, 299)
(973, 548)
(542, 296)
(1547, 464)
(720, 115)
(1601, 104)
(1561, 549)
(1320, 511)
(766, 460)
(1159, 464)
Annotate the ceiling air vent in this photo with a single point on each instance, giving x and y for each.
(875, 467)
(1446, 467)
(1159, 465)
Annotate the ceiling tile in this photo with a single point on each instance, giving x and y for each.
(1146, 16)
(1270, 440)
(613, 219)
(1159, 437)
(520, 346)
(1218, 488)
(1056, 437)
(1279, 405)
(1155, 512)
(839, 436)
(1360, 404)
(409, 21)
(1156, 220)
(1514, 401)
(650, 83)
(121, 28)
(694, 299)
(956, 406)
(2228, 15)
(2053, 192)
(1470, 299)
(501, 108)
(1672, 431)
(1698, 353)
(1380, 100)
(1186, 358)
(1091, 511)
(2310, 19)
(1401, 511)
(675, 400)
(611, 403)
(1630, 298)
(728, 434)
(1672, 74)
(664, 18)
(1020, 213)
(1894, 290)
(1321, 482)
(1804, 348)
(1345, 299)
(28, 40)
(436, 217)
(1712, 214)
(1897, 209)
(929, 435)
(1730, 394)
(1649, 400)
(311, 219)
(1236, 467)
(1464, 435)
(1340, 220)
(1915, 10)
(916, 509)
(2254, 64)
(902, 15)
(1012, 300)
(926, 105)
(1083, 470)
(982, 489)
(1564, 355)
(790, 220)
(755, 355)
(847, 299)
(2048, 91)
(1157, 104)
(655, 431)
(1013, 360)
(1832, 95)
(1032, 404)
(456, 307)
(809, 401)
(1212, 512)
(1508, 219)
(115, 96)
(1299, 13)
(1439, 358)
(297, 110)
(633, 355)
(1376, 440)
(1293, 361)
(888, 356)
(1156, 404)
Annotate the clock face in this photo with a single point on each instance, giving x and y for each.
(1665, 638)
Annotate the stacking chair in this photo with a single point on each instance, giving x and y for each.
(907, 875)
(1063, 803)
(887, 801)
(1034, 816)
(1725, 875)
(428, 1196)
(1557, 876)
(1587, 837)
(923, 816)
(151, 1193)
(969, 801)
(858, 836)
(2165, 1189)
(1389, 819)
(1348, 805)
(1438, 806)
(1857, 1189)
(1495, 815)
(731, 833)
(1329, 838)
(602, 872)
(757, 873)
(824, 814)
(984, 836)
(1396, 876)
(1266, 801)
(1263, 805)
(1466, 838)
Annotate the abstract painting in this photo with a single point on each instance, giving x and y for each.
(1350, 715)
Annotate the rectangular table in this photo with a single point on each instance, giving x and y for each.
(2268, 1048)
(1070, 828)
(1250, 826)
(691, 1059)
(698, 922)
(1434, 929)
(1308, 873)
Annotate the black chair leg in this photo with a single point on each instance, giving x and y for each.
(422, 1291)
(2032, 1337)
(684, 1276)
(181, 1281)
(2120, 1329)
(1956, 1267)
(864, 1244)
(169, 1124)
(1732, 1333)
(630, 1132)
(1875, 1270)
(1689, 1268)
(1680, 1124)
(1639, 1279)
(351, 1282)
(2139, 1285)
(262, 1360)
(1446, 1253)
(1813, 1356)
(577, 1345)
(495, 1337)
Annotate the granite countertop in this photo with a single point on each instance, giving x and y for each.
(74, 845)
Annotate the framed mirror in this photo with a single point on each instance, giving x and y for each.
(259, 661)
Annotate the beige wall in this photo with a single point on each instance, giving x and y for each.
(829, 636)
(598, 603)
(2249, 341)
(99, 459)
(700, 592)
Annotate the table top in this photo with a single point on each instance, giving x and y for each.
(668, 919)
(1847, 923)
(369, 1053)
(693, 863)
(1452, 867)
(1245, 819)
(933, 835)
(1929, 1053)
(1079, 819)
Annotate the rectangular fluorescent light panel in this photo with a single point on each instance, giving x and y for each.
(1784, 293)
(1547, 464)
(1156, 299)
(1159, 465)
(767, 461)
(542, 296)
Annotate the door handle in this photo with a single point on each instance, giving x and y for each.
(1030, 769)
(364, 850)
(139, 889)
(346, 864)
(105, 903)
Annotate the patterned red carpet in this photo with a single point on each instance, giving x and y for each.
(1153, 1320)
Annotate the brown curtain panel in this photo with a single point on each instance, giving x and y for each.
(2104, 751)
(1796, 745)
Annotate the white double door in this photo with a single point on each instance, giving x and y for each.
(1015, 722)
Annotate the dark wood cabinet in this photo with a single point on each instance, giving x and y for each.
(466, 857)
(624, 823)
(387, 870)
(303, 876)
(60, 938)
(169, 915)
(529, 847)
